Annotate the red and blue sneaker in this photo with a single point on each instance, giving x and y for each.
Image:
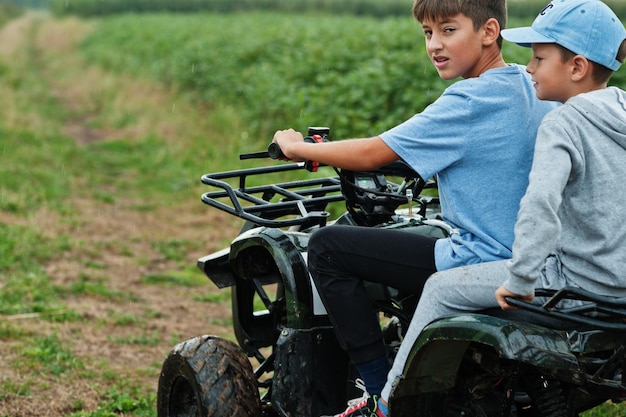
(364, 406)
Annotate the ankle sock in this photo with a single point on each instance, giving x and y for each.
(374, 374)
(382, 407)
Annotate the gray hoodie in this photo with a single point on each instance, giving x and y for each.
(575, 205)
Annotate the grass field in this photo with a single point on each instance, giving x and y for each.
(100, 217)
(100, 227)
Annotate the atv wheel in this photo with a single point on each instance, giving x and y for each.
(207, 376)
(483, 388)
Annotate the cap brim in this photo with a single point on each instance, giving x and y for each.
(525, 36)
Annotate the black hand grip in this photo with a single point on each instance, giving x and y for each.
(274, 151)
(254, 155)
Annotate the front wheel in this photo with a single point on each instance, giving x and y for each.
(207, 376)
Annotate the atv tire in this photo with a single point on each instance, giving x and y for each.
(207, 376)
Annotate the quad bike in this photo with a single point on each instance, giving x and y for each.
(540, 360)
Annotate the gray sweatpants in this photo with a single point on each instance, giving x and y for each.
(461, 290)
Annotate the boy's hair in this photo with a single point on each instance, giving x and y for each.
(478, 10)
(599, 73)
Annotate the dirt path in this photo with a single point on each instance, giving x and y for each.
(115, 248)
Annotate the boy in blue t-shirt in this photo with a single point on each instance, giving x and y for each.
(477, 139)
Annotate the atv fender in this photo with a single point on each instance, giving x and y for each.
(273, 255)
(434, 361)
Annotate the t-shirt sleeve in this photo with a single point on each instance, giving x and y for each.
(436, 138)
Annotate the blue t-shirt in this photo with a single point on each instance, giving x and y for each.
(478, 140)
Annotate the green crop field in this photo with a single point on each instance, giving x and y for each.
(517, 8)
(357, 75)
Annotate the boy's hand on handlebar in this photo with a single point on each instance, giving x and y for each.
(502, 293)
(283, 138)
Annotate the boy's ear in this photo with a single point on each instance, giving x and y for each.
(491, 31)
(580, 67)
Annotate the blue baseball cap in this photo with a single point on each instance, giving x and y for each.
(585, 27)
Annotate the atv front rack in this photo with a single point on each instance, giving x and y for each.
(278, 205)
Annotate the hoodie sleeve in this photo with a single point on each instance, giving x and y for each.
(538, 227)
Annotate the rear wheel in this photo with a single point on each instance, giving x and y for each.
(207, 376)
(483, 388)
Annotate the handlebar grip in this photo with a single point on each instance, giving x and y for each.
(274, 151)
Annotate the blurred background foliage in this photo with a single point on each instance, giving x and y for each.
(9, 11)
(358, 66)
(377, 8)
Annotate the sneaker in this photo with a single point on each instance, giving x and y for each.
(364, 406)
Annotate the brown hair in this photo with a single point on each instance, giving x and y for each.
(599, 73)
(478, 10)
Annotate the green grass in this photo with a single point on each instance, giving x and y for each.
(182, 278)
(50, 356)
(119, 400)
(26, 287)
(35, 169)
(9, 11)
(44, 172)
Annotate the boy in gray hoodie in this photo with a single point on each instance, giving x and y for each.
(570, 229)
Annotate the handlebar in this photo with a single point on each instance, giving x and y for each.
(316, 135)
(273, 151)
(304, 202)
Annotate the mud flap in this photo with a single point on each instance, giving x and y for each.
(310, 373)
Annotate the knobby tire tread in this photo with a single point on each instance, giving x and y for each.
(223, 376)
